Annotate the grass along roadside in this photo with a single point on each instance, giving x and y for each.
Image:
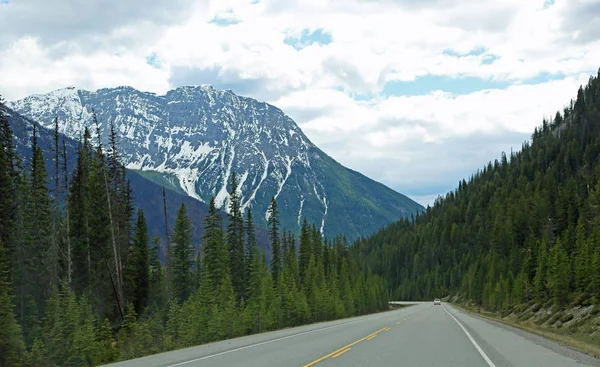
(578, 341)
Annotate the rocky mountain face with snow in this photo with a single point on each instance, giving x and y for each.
(192, 139)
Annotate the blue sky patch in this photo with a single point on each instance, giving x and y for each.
(489, 59)
(480, 51)
(223, 22)
(548, 3)
(475, 52)
(308, 38)
(153, 61)
(430, 83)
(542, 78)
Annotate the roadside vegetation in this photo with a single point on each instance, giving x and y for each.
(82, 284)
(520, 238)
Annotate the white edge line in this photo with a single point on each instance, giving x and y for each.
(263, 343)
(485, 357)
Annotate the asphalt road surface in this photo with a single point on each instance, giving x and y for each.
(423, 335)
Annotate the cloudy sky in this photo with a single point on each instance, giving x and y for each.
(415, 94)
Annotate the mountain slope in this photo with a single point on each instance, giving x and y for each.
(147, 194)
(197, 137)
(525, 229)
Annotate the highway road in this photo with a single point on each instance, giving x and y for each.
(422, 335)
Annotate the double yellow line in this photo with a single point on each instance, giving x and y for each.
(346, 348)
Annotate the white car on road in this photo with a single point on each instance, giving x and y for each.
(437, 301)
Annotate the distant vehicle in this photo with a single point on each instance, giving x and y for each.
(437, 301)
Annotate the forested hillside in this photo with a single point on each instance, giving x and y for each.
(524, 228)
(81, 282)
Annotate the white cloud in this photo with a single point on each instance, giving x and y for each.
(420, 144)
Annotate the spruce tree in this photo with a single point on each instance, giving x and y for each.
(273, 224)
(215, 254)
(11, 344)
(252, 251)
(182, 255)
(38, 262)
(305, 249)
(8, 194)
(138, 267)
(157, 289)
(235, 241)
(79, 211)
(560, 276)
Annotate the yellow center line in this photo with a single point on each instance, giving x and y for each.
(398, 322)
(342, 352)
(371, 337)
(342, 348)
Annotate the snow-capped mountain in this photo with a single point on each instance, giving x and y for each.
(192, 139)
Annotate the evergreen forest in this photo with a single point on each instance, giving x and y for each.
(525, 229)
(82, 284)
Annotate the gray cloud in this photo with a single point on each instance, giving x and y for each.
(346, 72)
(263, 89)
(55, 21)
(583, 17)
(416, 168)
(481, 17)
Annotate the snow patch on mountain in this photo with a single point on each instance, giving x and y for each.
(222, 197)
(198, 136)
(300, 211)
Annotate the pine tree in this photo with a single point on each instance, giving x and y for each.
(215, 255)
(235, 241)
(113, 222)
(38, 260)
(79, 211)
(68, 254)
(305, 249)
(8, 194)
(273, 224)
(138, 266)
(104, 288)
(157, 292)
(228, 318)
(11, 344)
(252, 251)
(539, 282)
(182, 255)
(560, 275)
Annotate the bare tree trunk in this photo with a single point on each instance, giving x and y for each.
(118, 285)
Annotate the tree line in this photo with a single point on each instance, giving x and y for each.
(81, 282)
(525, 229)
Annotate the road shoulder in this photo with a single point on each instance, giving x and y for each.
(551, 341)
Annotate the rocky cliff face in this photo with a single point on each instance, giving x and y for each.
(194, 138)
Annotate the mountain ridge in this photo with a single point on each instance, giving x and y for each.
(197, 136)
(147, 194)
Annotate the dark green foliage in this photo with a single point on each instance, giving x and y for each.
(524, 228)
(252, 251)
(138, 268)
(182, 256)
(105, 295)
(11, 344)
(235, 241)
(305, 249)
(273, 224)
(215, 254)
